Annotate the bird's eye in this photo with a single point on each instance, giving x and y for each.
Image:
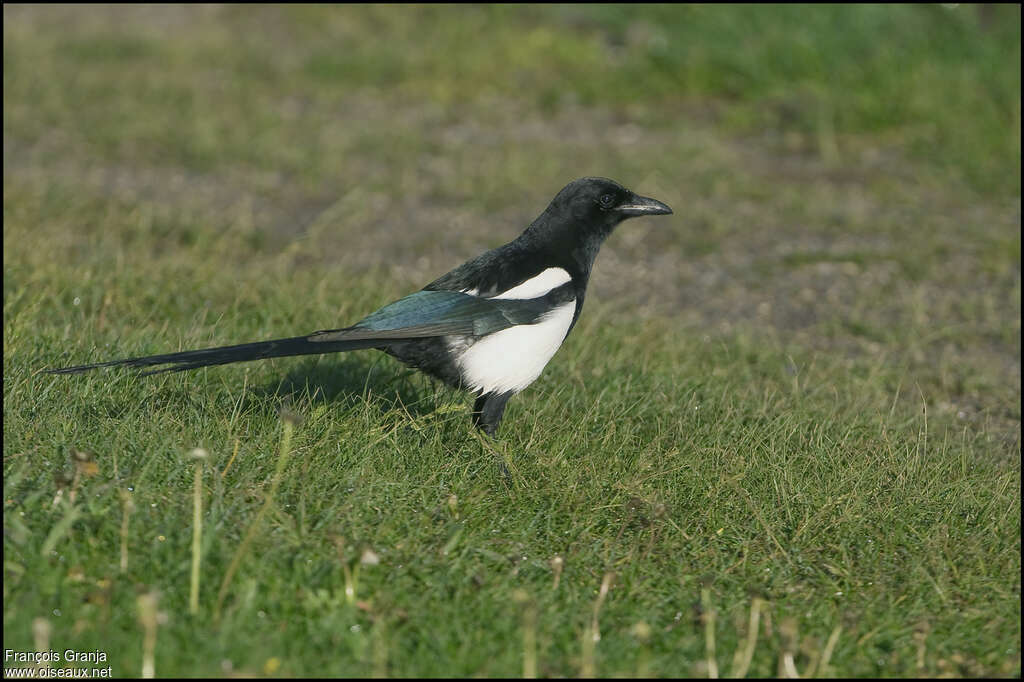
(607, 200)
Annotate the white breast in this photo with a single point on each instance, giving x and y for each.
(510, 360)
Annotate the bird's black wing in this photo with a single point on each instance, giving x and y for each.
(493, 272)
(440, 313)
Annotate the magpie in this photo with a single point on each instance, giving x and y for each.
(489, 326)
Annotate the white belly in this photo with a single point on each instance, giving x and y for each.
(510, 360)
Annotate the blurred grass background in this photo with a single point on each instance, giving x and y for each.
(802, 387)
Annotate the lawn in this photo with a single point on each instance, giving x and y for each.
(784, 437)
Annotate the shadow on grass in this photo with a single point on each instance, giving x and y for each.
(345, 381)
(342, 382)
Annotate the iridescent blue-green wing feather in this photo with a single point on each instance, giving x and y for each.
(439, 313)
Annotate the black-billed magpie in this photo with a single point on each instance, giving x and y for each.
(488, 326)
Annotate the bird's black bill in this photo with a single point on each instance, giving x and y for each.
(639, 205)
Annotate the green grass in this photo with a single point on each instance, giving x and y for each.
(801, 391)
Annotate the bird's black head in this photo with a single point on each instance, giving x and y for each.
(584, 213)
(602, 203)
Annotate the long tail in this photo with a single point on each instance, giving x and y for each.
(191, 359)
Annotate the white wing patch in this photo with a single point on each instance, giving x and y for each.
(536, 286)
(510, 360)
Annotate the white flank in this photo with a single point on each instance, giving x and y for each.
(510, 360)
(536, 286)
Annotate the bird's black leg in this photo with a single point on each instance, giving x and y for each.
(487, 411)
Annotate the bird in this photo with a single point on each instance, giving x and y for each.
(489, 326)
